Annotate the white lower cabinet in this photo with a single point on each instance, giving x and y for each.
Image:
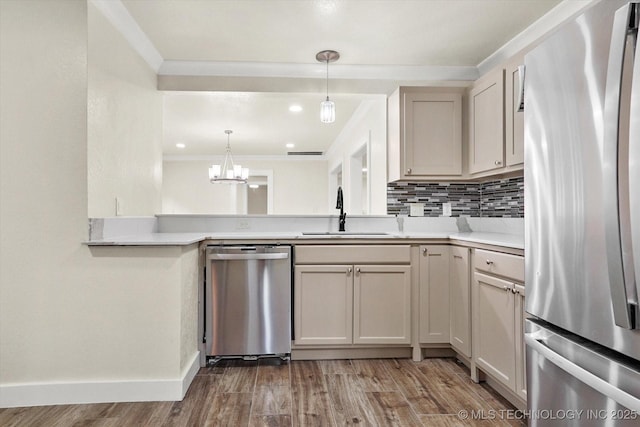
(434, 294)
(342, 304)
(382, 304)
(521, 367)
(323, 308)
(494, 328)
(498, 296)
(460, 300)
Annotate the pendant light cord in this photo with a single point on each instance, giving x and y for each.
(327, 78)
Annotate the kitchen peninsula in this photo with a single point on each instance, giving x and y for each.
(432, 316)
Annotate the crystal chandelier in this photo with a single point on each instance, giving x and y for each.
(228, 172)
(327, 107)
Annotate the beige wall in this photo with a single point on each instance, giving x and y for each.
(124, 126)
(76, 324)
(299, 187)
(186, 189)
(368, 124)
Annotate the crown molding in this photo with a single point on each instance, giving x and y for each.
(240, 159)
(317, 71)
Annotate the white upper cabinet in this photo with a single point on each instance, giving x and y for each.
(424, 133)
(514, 119)
(486, 123)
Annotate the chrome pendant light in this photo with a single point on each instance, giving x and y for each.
(327, 107)
(228, 172)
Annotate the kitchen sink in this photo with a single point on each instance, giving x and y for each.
(344, 233)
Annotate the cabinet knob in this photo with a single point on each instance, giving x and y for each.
(489, 262)
(498, 162)
(349, 270)
(409, 171)
(424, 251)
(506, 288)
(358, 270)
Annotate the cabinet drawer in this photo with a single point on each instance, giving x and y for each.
(511, 266)
(341, 254)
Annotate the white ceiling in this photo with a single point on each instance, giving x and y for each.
(365, 32)
(377, 39)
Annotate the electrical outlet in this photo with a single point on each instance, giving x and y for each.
(242, 224)
(446, 209)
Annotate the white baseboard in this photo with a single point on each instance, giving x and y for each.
(38, 394)
(189, 373)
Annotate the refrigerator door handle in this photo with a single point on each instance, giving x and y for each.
(616, 184)
(634, 159)
(595, 382)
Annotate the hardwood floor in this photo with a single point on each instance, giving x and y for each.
(377, 392)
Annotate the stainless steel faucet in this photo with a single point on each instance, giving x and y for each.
(340, 205)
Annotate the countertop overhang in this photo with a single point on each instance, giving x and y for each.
(182, 239)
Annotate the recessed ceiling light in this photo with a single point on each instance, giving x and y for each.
(291, 145)
(254, 186)
(180, 145)
(295, 108)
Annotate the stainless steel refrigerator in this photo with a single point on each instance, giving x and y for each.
(582, 220)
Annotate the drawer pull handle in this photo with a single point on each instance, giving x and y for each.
(489, 262)
(457, 256)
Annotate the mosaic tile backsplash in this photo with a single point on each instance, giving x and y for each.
(502, 199)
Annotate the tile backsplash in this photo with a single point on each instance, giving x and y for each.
(499, 199)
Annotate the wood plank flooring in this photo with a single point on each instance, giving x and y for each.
(372, 392)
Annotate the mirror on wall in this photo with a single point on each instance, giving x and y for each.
(292, 157)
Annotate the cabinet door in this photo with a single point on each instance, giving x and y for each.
(432, 134)
(382, 304)
(493, 328)
(514, 119)
(486, 148)
(460, 300)
(323, 308)
(434, 294)
(521, 372)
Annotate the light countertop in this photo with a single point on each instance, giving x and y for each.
(182, 239)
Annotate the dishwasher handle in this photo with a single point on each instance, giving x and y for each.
(225, 257)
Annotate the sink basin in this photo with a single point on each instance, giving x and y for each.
(344, 233)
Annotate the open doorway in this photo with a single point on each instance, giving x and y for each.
(260, 193)
(257, 196)
(359, 180)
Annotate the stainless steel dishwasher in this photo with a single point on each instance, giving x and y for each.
(248, 302)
